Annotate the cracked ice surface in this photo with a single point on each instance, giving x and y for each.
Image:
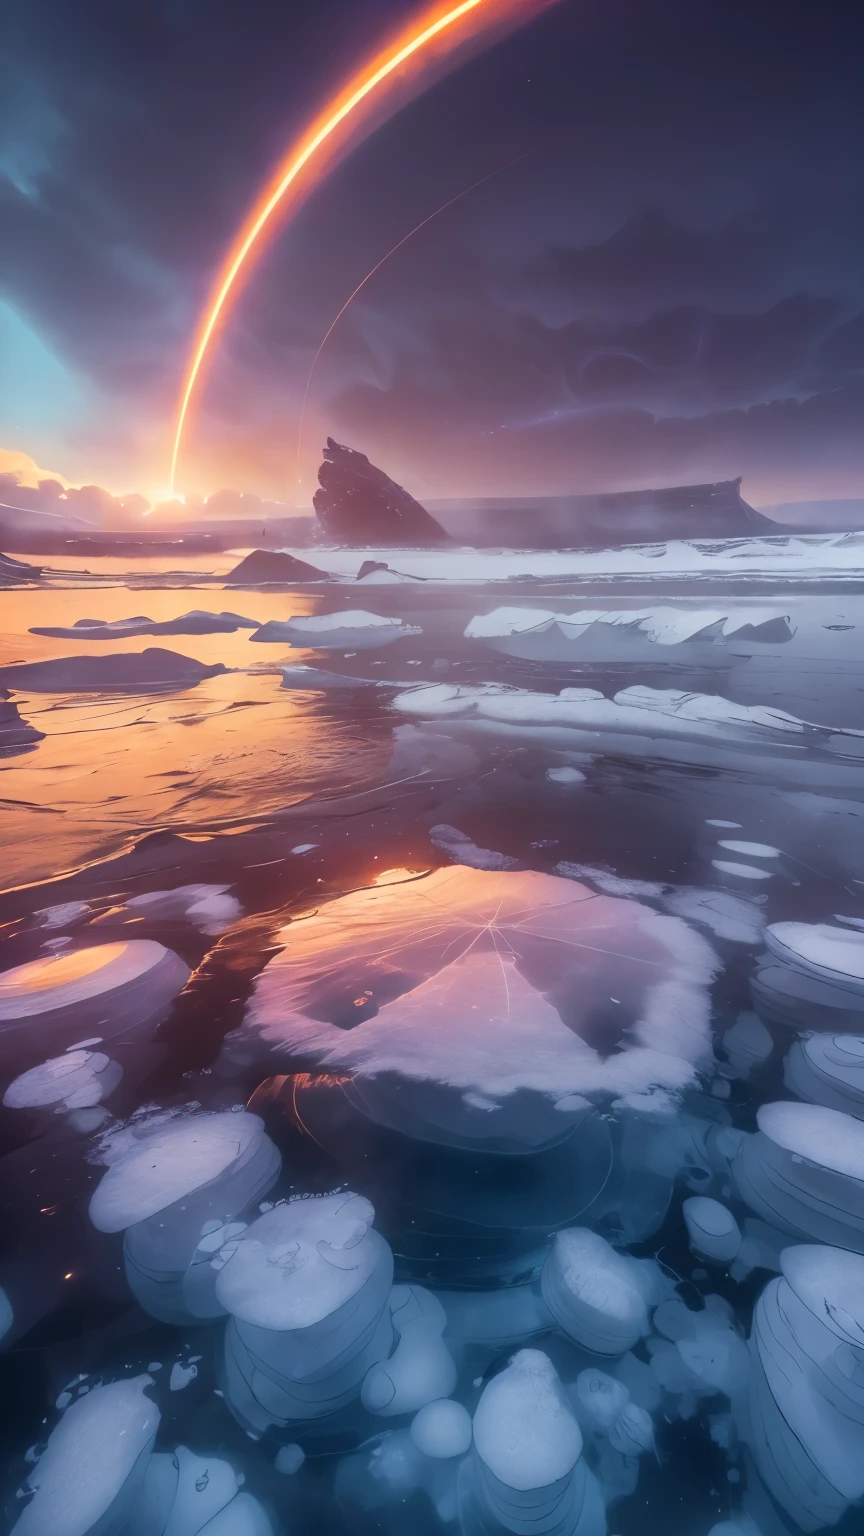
(490, 984)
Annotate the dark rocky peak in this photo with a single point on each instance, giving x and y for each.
(358, 504)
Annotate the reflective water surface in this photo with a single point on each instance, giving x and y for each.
(433, 1066)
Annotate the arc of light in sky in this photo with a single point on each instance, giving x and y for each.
(377, 268)
(332, 131)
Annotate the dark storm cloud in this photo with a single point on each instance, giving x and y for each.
(674, 275)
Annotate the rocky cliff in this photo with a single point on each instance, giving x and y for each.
(357, 503)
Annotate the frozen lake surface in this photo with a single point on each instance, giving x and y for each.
(432, 1045)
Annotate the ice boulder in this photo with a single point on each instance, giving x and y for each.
(442, 1429)
(829, 1070)
(805, 1414)
(698, 637)
(176, 1190)
(596, 1295)
(712, 1229)
(350, 630)
(77, 1080)
(527, 1472)
(421, 1367)
(115, 991)
(91, 1474)
(475, 1007)
(803, 1172)
(307, 1286)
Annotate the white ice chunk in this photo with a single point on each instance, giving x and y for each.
(76, 1080)
(750, 850)
(97, 1452)
(599, 1400)
(828, 1069)
(525, 1431)
(632, 1432)
(442, 1429)
(158, 1168)
(354, 628)
(181, 1375)
(300, 1262)
(740, 871)
(565, 775)
(594, 1293)
(835, 953)
(459, 847)
(713, 1231)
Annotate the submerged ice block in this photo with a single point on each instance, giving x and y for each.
(803, 1171)
(91, 1474)
(175, 1191)
(527, 1473)
(596, 1295)
(307, 1286)
(805, 1415)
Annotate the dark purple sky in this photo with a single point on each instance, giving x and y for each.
(670, 287)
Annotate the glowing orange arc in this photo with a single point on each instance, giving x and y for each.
(336, 114)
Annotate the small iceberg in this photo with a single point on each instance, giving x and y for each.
(352, 630)
(198, 622)
(150, 671)
(698, 637)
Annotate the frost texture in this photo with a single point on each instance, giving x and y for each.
(488, 986)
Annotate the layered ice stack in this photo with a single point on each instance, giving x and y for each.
(72, 1084)
(829, 1070)
(803, 1172)
(108, 990)
(806, 1399)
(307, 1286)
(812, 976)
(597, 1296)
(527, 1473)
(176, 1190)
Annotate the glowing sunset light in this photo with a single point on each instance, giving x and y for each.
(379, 88)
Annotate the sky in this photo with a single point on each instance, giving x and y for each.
(667, 286)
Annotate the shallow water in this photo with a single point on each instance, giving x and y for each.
(335, 809)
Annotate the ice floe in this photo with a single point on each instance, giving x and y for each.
(485, 1008)
(150, 671)
(77, 1080)
(176, 1190)
(308, 1288)
(208, 907)
(726, 915)
(805, 1413)
(692, 727)
(803, 1172)
(113, 989)
(812, 976)
(197, 622)
(698, 636)
(459, 847)
(352, 629)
